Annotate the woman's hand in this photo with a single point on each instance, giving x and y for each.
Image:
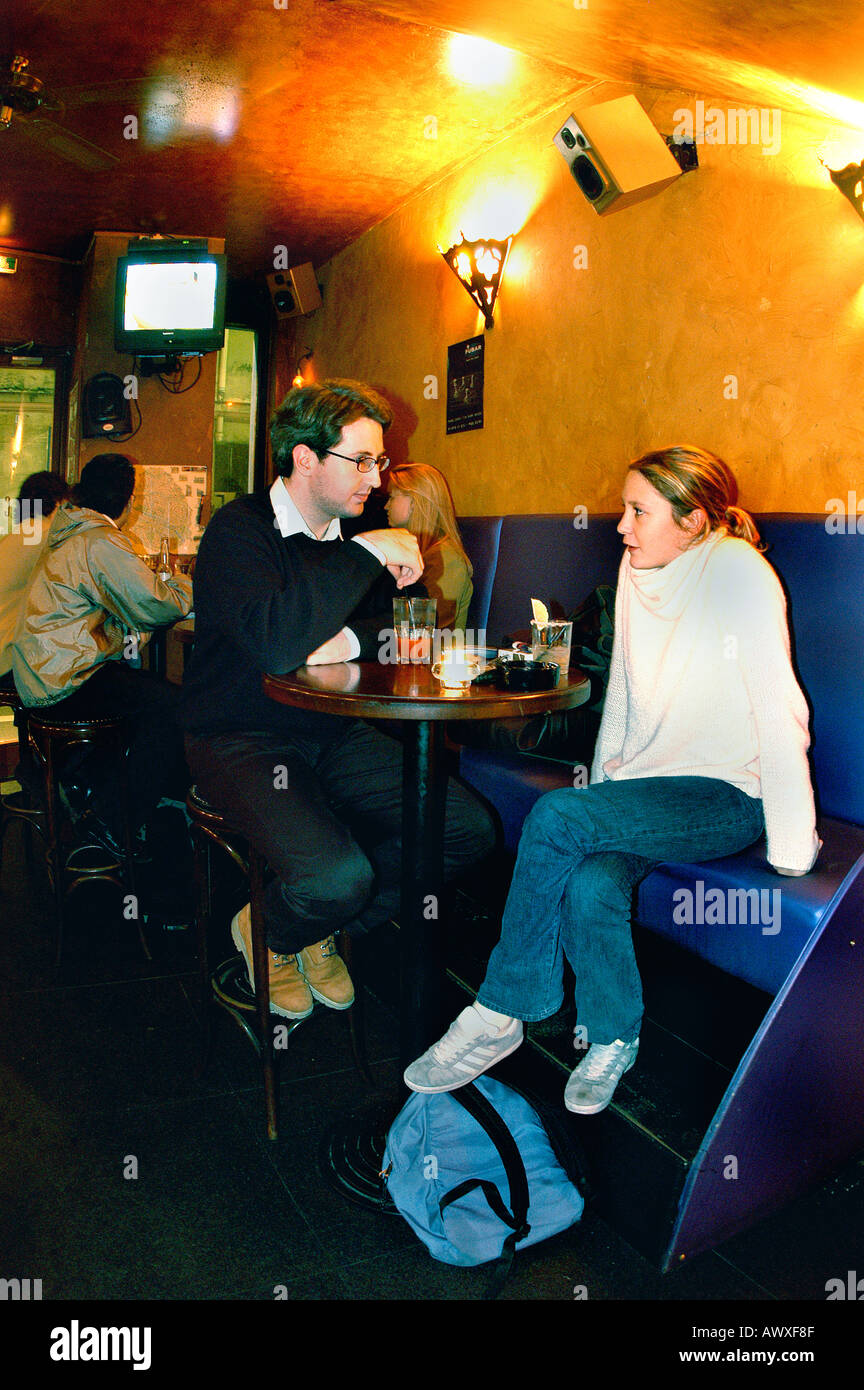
(798, 873)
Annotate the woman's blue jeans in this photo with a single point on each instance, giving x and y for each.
(581, 855)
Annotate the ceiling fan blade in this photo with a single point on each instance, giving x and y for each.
(73, 148)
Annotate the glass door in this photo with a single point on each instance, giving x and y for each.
(28, 413)
(235, 415)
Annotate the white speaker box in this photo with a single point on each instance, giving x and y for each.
(616, 154)
(294, 291)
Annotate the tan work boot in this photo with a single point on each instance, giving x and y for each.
(289, 992)
(326, 974)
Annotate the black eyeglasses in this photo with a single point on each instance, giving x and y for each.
(365, 463)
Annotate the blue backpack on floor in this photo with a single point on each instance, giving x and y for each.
(476, 1175)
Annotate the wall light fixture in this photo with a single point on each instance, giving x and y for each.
(479, 266)
(299, 378)
(850, 181)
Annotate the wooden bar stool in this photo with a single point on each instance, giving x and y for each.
(210, 828)
(51, 738)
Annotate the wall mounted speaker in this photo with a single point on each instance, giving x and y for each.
(616, 154)
(294, 291)
(105, 410)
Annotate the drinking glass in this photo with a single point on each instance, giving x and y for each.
(414, 623)
(457, 669)
(551, 642)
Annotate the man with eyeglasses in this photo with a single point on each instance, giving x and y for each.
(320, 796)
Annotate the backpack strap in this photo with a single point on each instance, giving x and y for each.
(492, 1195)
(487, 1117)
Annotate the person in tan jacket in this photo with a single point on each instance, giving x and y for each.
(90, 601)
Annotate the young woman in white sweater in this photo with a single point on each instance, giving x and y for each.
(702, 749)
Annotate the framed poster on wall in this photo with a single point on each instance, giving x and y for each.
(465, 385)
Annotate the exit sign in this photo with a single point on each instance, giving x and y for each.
(8, 265)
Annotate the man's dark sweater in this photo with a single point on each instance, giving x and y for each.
(264, 602)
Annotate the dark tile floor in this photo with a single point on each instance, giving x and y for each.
(125, 1176)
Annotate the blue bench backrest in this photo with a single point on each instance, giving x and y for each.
(547, 557)
(480, 537)
(823, 575)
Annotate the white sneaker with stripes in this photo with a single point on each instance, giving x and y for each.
(469, 1047)
(592, 1084)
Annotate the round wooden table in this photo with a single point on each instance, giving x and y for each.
(353, 1147)
(378, 690)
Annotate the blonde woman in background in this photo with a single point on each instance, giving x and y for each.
(419, 499)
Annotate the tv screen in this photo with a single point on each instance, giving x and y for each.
(170, 301)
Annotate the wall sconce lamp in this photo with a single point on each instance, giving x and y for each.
(850, 181)
(479, 266)
(299, 378)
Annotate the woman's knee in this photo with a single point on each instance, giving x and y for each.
(556, 810)
(607, 879)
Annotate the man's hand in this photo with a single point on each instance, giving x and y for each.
(401, 551)
(333, 650)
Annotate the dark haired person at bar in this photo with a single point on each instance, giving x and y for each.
(702, 747)
(20, 552)
(90, 600)
(321, 796)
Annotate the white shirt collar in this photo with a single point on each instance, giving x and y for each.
(290, 520)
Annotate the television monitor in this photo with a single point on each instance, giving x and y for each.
(169, 301)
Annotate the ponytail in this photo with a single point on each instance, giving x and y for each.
(741, 524)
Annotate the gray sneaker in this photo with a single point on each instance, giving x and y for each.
(469, 1047)
(592, 1084)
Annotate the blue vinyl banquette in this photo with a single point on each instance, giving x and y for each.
(793, 1111)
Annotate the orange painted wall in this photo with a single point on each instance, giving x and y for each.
(725, 311)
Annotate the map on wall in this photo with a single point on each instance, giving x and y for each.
(168, 502)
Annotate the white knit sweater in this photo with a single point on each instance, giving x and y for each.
(701, 685)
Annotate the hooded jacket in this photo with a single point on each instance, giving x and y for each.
(90, 590)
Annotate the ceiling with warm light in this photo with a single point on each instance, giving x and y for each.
(304, 122)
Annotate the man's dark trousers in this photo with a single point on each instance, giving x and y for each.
(327, 816)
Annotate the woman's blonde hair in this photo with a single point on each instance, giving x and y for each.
(433, 516)
(689, 477)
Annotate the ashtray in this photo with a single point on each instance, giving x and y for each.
(526, 675)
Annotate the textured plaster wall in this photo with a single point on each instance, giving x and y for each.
(725, 311)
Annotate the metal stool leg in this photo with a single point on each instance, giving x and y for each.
(356, 1014)
(203, 860)
(55, 863)
(129, 848)
(261, 968)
